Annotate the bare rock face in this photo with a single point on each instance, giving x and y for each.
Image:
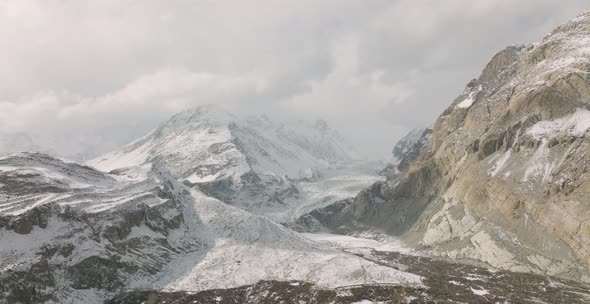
(331, 218)
(505, 177)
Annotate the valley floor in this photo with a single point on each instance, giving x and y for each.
(333, 184)
(443, 282)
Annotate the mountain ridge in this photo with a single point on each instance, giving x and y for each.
(250, 162)
(79, 234)
(503, 179)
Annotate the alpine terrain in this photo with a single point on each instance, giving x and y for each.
(252, 163)
(504, 178)
(488, 205)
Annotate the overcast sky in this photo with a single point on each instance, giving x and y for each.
(87, 75)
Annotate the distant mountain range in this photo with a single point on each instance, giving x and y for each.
(250, 162)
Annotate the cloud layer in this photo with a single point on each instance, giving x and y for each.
(84, 77)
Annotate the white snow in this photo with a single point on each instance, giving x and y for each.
(575, 124)
(539, 164)
(118, 159)
(208, 143)
(219, 246)
(333, 184)
(479, 292)
(18, 250)
(248, 248)
(500, 163)
(94, 190)
(470, 99)
(349, 242)
(466, 103)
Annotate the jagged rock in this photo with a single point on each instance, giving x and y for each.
(85, 238)
(504, 178)
(406, 150)
(327, 219)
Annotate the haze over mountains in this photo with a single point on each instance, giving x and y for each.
(503, 178)
(489, 205)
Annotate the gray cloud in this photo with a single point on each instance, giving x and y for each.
(87, 76)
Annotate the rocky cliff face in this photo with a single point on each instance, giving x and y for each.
(505, 177)
(406, 150)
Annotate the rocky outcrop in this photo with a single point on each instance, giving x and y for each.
(505, 177)
(92, 235)
(406, 150)
(331, 218)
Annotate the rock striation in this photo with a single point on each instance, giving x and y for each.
(504, 178)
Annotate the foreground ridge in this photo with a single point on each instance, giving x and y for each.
(504, 178)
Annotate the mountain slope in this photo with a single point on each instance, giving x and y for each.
(504, 179)
(248, 162)
(406, 150)
(70, 233)
(219, 144)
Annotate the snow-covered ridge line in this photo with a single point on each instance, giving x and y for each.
(225, 145)
(252, 162)
(155, 233)
(30, 180)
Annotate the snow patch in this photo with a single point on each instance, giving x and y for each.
(479, 292)
(500, 163)
(345, 241)
(466, 103)
(575, 124)
(248, 248)
(539, 164)
(469, 100)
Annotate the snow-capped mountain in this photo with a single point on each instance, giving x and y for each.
(204, 208)
(250, 162)
(70, 233)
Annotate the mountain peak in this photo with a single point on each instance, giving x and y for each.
(204, 114)
(207, 144)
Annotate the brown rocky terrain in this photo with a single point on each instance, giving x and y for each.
(504, 179)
